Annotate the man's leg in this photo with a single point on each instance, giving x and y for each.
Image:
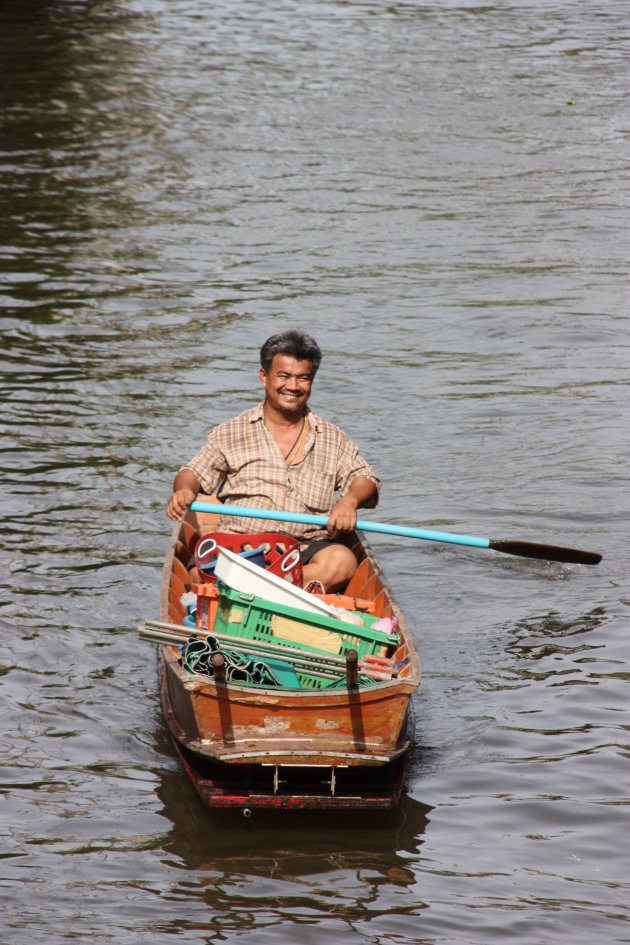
(333, 566)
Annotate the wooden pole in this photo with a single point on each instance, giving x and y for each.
(218, 665)
(352, 667)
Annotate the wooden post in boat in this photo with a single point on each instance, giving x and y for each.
(352, 667)
(218, 665)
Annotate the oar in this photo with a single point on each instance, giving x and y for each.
(523, 549)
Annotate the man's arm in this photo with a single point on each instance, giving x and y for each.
(185, 490)
(343, 515)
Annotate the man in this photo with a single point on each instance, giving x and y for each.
(282, 456)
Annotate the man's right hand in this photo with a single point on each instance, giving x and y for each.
(185, 490)
(179, 502)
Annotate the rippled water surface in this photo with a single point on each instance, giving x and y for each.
(440, 192)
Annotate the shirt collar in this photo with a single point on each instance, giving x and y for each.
(258, 414)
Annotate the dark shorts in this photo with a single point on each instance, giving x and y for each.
(311, 549)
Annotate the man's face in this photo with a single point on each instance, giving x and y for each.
(288, 384)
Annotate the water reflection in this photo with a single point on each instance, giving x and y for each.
(68, 121)
(286, 845)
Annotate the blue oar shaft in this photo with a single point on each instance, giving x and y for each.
(404, 531)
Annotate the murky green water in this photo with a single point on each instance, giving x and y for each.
(439, 192)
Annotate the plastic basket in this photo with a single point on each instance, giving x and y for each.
(279, 554)
(250, 617)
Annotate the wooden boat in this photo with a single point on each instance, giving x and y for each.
(246, 747)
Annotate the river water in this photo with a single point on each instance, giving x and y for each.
(439, 191)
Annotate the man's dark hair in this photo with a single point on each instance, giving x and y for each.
(295, 344)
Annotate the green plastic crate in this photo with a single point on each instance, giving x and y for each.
(244, 615)
(313, 681)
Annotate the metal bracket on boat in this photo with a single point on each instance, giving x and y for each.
(277, 780)
(332, 782)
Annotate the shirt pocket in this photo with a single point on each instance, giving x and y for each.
(317, 492)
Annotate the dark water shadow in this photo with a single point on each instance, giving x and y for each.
(69, 113)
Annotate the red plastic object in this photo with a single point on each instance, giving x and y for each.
(207, 605)
(281, 553)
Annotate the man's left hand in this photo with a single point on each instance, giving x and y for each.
(343, 516)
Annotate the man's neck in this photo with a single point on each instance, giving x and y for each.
(276, 418)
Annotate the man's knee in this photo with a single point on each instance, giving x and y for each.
(343, 559)
(333, 566)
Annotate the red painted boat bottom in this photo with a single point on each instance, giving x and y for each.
(282, 787)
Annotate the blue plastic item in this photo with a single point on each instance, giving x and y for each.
(255, 555)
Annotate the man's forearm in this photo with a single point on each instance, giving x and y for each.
(362, 490)
(186, 479)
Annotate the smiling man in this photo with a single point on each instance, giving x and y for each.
(282, 456)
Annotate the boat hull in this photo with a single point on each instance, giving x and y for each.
(287, 748)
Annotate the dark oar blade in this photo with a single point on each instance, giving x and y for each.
(530, 549)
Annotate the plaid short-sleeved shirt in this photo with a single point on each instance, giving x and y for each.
(241, 459)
